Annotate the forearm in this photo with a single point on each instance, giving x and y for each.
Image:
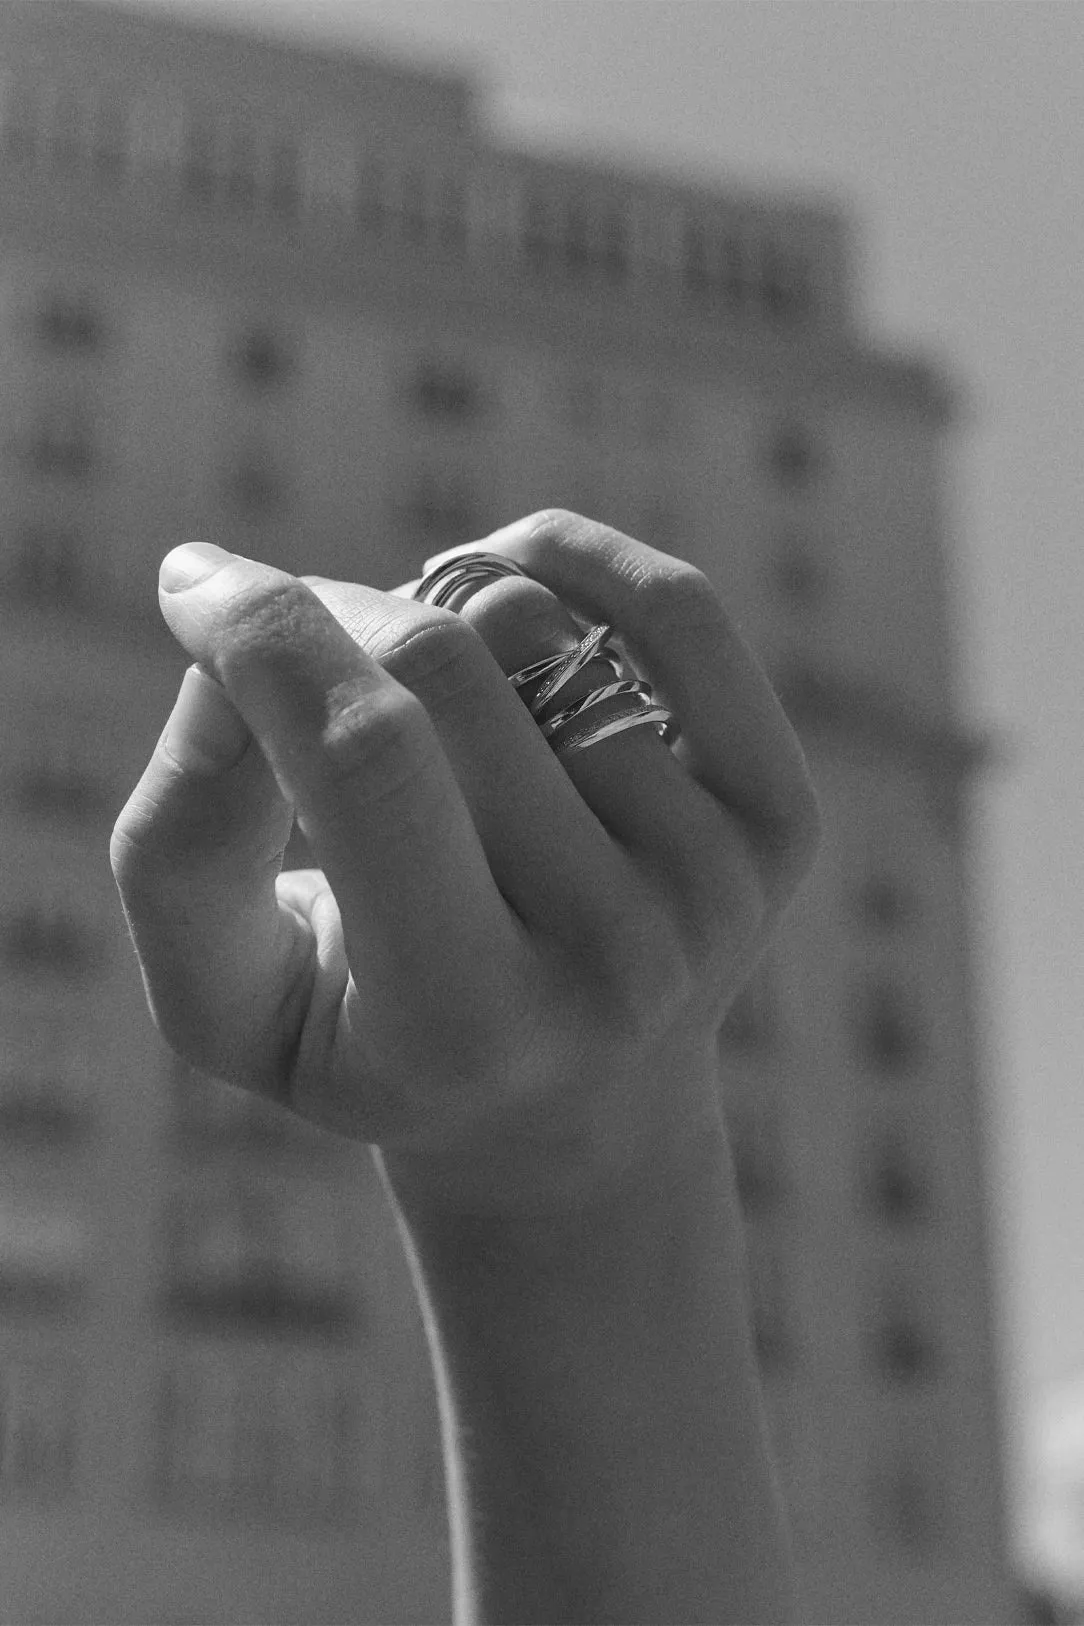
(603, 1408)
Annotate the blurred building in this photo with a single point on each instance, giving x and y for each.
(299, 304)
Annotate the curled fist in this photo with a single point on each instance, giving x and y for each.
(509, 971)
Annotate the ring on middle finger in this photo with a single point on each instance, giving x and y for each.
(444, 580)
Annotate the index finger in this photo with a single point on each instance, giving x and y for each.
(355, 754)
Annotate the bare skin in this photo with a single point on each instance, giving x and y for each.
(507, 978)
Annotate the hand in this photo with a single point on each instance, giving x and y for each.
(510, 969)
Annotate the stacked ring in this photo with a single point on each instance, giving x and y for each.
(567, 729)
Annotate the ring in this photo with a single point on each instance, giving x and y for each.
(566, 729)
(442, 582)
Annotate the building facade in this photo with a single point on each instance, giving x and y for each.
(297, 304)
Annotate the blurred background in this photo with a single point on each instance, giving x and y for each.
(791, 290)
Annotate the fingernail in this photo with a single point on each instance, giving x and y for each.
(205, 733)
(191, 563)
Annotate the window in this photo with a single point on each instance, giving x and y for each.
(784, 284)
(22, 115)
(540, 233)
(255, 488)
(58, 785)
(908, 1507)
(198, 165)
(799, 578)
(67, 133)
(61, 445)
(242, 1256)
(413, 203)
(47, 568)
(613, 243)
(41, 1256)
(896, 1192)
(661, 524)
(449, 211)
(657, 414)
(883, 904)
(282, 1434)
(444, 390)
(38, 1424)
(242, 168)
(443, 511)
(713, 262)
(38, 1112)
(885, 1034)
(901, 1351)
(900, 1346)
(694, 257)
(43, 938)
(583, 403)
(68, 323)
(791, 458)
(284, 192)
(371, 201)
(110, 137)
(261, 360)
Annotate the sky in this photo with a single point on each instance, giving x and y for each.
(954, 133)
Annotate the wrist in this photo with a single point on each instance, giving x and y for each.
(634, 1130)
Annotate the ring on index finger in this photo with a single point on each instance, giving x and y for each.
(568, 728)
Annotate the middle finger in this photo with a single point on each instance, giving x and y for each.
(550, 855)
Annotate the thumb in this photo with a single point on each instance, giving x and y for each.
(196, 853)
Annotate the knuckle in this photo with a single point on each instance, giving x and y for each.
(555, 523)
(683, 598)
(379, 744)
(439, 659)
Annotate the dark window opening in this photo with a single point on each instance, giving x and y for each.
(39, 940)
(36, 1114)
(61, 445)
(38, 1437)
(110, 139)
(49, 792)
(896, 1192)
(883, 903)
(68, 324)
(446, 392)
(902, 1352)
(887, 1041)
(198, 167)
(285, 192)
(800, 579)
(792, 459)
(47, 568)
(910, 1516)
(784, 286)
(261, 1302)
(257, 491)
(66, 138)
(260, 360)
(538, 233)
(20, 134)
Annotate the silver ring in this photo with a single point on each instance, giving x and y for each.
(566, 730)
(445, 580)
